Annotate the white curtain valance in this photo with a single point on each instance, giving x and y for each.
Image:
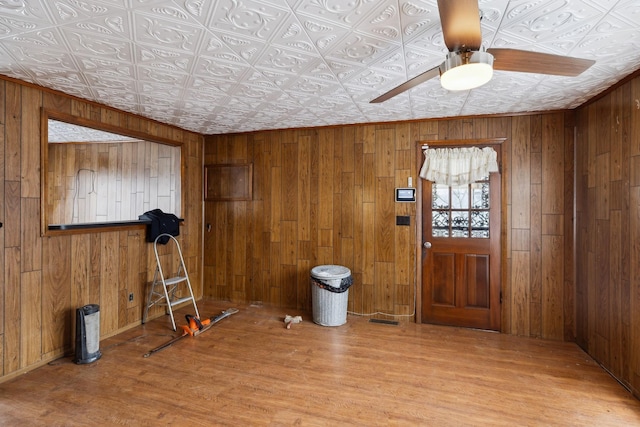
(458, 166)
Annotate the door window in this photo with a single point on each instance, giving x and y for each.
(461, 210)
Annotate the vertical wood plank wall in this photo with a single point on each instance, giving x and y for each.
(100, 182)
(326, 196)
(45, 279)
(608, 231)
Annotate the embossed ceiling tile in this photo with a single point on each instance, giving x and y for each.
(498, 97)
(271, 79)
(91, 44)
(360, 49)
(346, 13)
(608, 5)
(548, 93)
(367, 82)
(73, 84)
(511, 41)
(308, 82)
(419, 19)
(244, 49)
(218, 71)
(8, 64)
(293, 34)
(591, 83)
(382, 115)
(66, 12)
(393, 63)
(570, 95)
(166, 31)
(38, 56)
(507, 78)
(250, 18)
(115, 27)
(166, 77)
(344, 71)
(155, 92)
(234, 65)
(332, 105)
(492, 12)
(105, 68)
(15, 26)
(322, 33)
(402, 106)
(252, 93)
(122, 99)
(436, 96)
(165, 12)
(488, 36)
(201, 106)
(628, 11)
(300, 98)
(433, 94)
(414, 62)
(183, 10)
(211, 87)
(320, 70)
(608, 40)
(102, 81)
(428, 39)
(314, 88)
(382, 22)
(561, 22)
(284, 60)
(119, 3)
(161, 59)
(24, 11)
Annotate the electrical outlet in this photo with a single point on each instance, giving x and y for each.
(131, 297)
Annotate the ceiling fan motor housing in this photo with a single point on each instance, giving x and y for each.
(466, 70)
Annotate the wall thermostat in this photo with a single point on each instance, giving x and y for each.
(405, 194)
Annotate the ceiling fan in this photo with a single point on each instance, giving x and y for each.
(468, 65)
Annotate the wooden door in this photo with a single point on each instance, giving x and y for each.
(461, 253)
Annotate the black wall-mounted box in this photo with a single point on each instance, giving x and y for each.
(403, 220)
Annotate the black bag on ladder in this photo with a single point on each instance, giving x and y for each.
(160, 223)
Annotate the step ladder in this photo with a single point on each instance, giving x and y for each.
(164, 290)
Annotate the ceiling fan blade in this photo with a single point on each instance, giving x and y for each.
(535, 62)
(460, 20)
(409, 84)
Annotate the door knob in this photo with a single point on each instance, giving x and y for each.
(427, 245)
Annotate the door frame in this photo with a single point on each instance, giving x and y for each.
(447, 143)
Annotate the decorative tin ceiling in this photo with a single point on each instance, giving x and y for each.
(221, 66)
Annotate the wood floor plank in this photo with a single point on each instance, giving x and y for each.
(250, 370)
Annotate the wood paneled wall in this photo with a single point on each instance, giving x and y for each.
(608, 231)
(45, 279)
(111, 181)
(326, 196)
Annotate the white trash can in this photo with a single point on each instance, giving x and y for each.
(330, 294)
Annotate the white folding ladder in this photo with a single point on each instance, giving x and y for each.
(163, 290)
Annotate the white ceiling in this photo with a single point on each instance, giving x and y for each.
(221, 66)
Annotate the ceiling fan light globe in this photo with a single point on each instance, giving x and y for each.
(466, 70)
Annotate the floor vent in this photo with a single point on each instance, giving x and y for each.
(384, 322)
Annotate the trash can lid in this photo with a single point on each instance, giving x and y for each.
(330, 272)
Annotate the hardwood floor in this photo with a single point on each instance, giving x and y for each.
(250, 370)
